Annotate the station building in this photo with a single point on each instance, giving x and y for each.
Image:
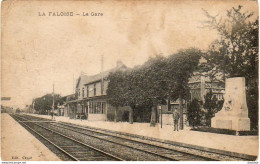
(90, 99)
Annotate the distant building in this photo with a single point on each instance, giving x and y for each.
(7, 109)
(60, 110)
(67, 102)
(199, 87)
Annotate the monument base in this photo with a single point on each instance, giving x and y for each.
(232, 123)
(234, 113)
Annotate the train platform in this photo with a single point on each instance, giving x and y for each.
(16, 141)
(221, 142)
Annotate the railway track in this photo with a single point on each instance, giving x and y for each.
(72, 148)
(170, 151)
(161, 150)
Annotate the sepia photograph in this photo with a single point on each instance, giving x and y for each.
(129, 80)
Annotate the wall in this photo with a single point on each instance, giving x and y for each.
(97, 117)
(105, 87)
(168, 120)
(91, 89)
(79, 89)
(98, 89)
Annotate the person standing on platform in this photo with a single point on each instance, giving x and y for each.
(176, 116)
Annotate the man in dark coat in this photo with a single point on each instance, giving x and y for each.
(176, 116)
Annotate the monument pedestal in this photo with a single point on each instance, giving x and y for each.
(232, 123)
(234, 114)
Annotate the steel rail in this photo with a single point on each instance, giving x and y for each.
(101, 131)
(68, 154)
(89, 146)
(146, 151)
(153, 153)
(96, 130)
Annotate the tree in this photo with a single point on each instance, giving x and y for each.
(155, 81)
(43, 105)
(194, 113)
(154, 84)
(212, 105)
(180, 67)
(138, 86)
(252, 103)
(117, 90)
(236, 52)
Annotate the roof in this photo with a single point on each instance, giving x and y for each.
(197, 78)
(85, 79)
(68, 95)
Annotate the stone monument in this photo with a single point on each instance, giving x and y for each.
(234, 113)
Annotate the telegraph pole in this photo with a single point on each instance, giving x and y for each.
(73, 84)
(53, 103)
(33, 106)
(102, 76)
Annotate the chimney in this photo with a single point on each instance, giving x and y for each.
(119, 64)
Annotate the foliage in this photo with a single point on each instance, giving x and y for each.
(43, 105)
(18, 111)
(118, 90)
(138, 86)
(194, 113)
(236, 52)
(179, 69)
(252, 103)
(153, 80)
(7, 109)
(142, 113)
(157, 79)
(61, 100)
(212, 105)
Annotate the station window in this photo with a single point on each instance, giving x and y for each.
(103, 107)
(82, 92)
(95, 89)
(87, 91)
(102, 87)
(97, 107)
(90, 107)
(94, 107)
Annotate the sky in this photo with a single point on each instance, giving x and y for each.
(39, 51)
